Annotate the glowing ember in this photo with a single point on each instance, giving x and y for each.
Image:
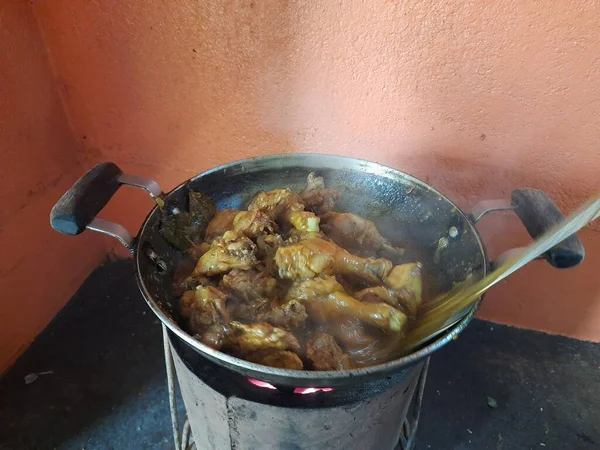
(311, 390)
(261, 384)
(302, 391)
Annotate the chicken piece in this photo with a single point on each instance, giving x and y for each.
(180, 286)
(403, 288)
(302, 220)
(253, 223)
(248, 311)
(269, 243)
(252, 292)
(203, 306)
(356, 234)
(282, 359)
(326, 301)
(286, 206)
(325, 354)
(406, 276)
(363, 346)
(274, 203)
(406, 280)
(232, 251)
(249, 284)
(295, 236)
(260, 336)
(316, 198)
(289, 315)
(403, 299)
(267, 246)
(312, 257)
(214, 336)
(352, 335)
(220, 223)
(205, 310)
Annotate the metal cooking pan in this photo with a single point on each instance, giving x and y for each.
(405, 209)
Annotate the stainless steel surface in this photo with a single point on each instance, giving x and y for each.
(114, 230)
(147, 184)
(150, 186)
(403, 207)
(488, 206)
(481, 209)
(449, 305)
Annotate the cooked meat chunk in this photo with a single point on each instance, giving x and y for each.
(190, 283)
(260, 336)
(232, 251)
(220, 223)
(352, 334)
(274, 203)
(289, 282)
(267, 246)
(302, 220)
(252, 291)
(205, 309)
(355, 233)
(290, 315)
(406, 276)
(402, 289)
(287, 207)
(253, 223)
(249, 284)
(327, 302)
(403, 299)
(281, 359)
(312, 257)
(294, 236)
(316, 198)
(325, 354)
(214, 336)
(248, 310)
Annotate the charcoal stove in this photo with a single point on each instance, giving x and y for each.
(232, 403)
(227, 410)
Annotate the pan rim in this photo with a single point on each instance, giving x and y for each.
(306, 378)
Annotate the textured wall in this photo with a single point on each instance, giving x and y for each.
(39, 271)
(477, 98)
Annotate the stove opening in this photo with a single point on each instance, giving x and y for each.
(302, 391)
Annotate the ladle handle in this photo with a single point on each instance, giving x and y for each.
(539, 214)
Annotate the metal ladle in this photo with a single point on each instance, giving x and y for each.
(447, 309)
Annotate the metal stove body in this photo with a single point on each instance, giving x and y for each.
(226, 410)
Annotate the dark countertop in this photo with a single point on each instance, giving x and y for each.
(107, 390)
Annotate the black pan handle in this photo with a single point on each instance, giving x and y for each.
(77, 209)
(80, 205)
(539, 213)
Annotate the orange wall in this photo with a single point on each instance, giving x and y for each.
(39, 271)
(475, 97)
